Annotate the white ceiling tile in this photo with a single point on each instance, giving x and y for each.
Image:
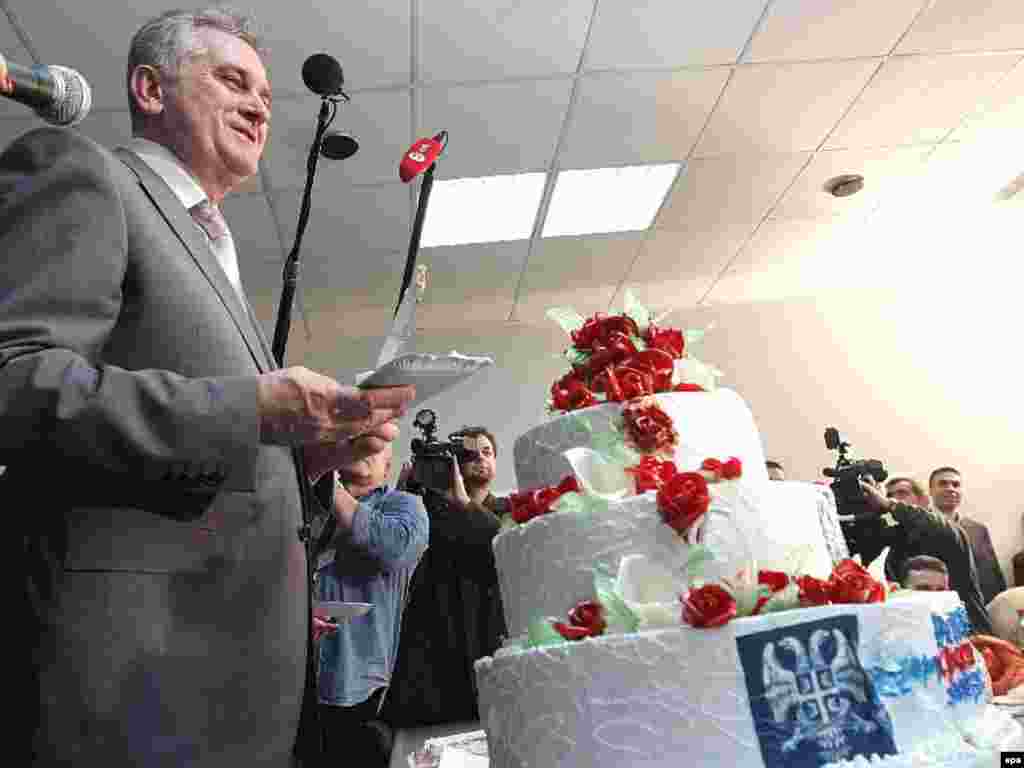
(799, 30)
(666, 295)
(964, 175)
(379, 121)
(768, 284)
(532, 307)
(576, 262)
(682, 256)
(477, 314)
(917, 100)
(352, 279)
(371, 41)
(885, 172)
(462, 41)
(791, 279)
(262, 278)
(348, 225)
(253, 228)
(967, 25)
(619, 119)
(346, 338)
(665, 34)
(1000, 114)
(783, 107)
(798, 244)
(728, 191)
(495, 128)
(486, 270)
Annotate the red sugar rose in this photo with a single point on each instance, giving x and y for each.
(648, 428)
(708, 606)
(651, 473)
(683, 500)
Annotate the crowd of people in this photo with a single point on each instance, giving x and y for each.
(933, 545)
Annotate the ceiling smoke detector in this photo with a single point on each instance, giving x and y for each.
(845, 185)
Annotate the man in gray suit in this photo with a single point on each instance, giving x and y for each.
(946, 487)
(163, 603)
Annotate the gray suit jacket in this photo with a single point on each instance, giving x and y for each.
(990, 574)
(163, 574)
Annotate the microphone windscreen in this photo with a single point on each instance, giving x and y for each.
(420, 156)
(322, 75)
(75, 103)
(338, 146)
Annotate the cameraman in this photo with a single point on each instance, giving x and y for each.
(454, 615)
(925, 532)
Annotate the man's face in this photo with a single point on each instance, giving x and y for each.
(369, 473)
(903, 491)
(217, 111)
(927, 581)
(482, 471)
(946, 492)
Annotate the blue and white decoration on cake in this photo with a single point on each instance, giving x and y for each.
(811, 700)
(953, 628)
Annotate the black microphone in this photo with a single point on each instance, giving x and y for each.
(59, 95)
(337, 145)
(322, 75)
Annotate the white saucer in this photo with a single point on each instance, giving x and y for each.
(341, 611)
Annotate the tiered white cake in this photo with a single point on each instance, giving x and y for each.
(803, 687)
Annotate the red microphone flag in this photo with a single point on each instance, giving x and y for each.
(421, 155)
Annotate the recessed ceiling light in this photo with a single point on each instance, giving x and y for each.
(487, 209)
(601, 200)
(845, 185)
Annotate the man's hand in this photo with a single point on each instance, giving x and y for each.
(321, 626)
(301, 407)
(457, 493)
(321, 458)
(404, 476)
(873, 495)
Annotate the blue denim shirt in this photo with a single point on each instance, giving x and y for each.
(371, 563)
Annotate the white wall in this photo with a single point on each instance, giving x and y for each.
(917, 379)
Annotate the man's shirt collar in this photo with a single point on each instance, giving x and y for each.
(168, 167)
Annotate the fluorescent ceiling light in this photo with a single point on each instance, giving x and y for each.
(597, 200)
(482, 210)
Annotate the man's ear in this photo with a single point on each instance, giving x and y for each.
(146, 89)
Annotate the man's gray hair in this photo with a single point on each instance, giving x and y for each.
(168, 40)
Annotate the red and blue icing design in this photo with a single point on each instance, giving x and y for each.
(954, 666)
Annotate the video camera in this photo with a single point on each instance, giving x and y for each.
(432, 459)
(863, 527)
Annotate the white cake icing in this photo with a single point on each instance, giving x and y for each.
(710, 424)
(545, 566)
(680, 696)
(685, 696)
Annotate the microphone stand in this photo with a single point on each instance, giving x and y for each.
(417, 224)
(291, 265)
(308, 738)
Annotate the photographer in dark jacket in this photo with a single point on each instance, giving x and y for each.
(454, 616)
(926, 532)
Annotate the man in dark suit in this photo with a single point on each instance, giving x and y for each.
(946, 489)
(162, 616)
